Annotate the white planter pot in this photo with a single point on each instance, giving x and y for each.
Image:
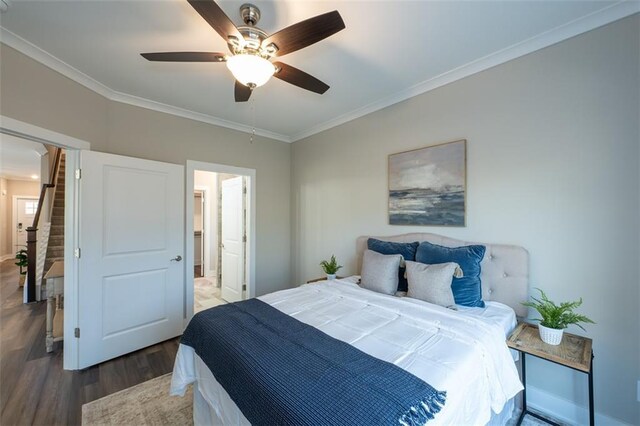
(331, 277)
(551, 336)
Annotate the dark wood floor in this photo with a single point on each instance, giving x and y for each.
(34, 389)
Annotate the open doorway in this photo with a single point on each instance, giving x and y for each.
(219, 238)
(36, 312)
(220, 243)
(20, 176)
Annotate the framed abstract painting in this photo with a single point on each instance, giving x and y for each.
(427, 186)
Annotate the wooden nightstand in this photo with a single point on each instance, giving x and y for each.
(574, 352)
(315, 280)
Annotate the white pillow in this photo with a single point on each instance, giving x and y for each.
(380, 272)
(432, 283)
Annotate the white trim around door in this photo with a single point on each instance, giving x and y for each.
(192, 166)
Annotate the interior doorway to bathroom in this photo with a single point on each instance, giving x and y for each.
(219, 238)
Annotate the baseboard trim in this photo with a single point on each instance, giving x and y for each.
(564, 410)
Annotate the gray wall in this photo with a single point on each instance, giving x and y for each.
(552, 166)
(35, 94)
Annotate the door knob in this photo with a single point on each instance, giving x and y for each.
(178, 258)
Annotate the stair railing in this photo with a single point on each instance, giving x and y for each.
(32, 231)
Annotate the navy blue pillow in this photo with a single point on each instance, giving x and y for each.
(407, 250)
(467, 291)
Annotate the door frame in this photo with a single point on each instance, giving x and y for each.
(72, 146)
(14, 218)
(192, 166)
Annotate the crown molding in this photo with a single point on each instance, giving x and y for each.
(192, 115)
(563, 32)
(37, 54)
(34, 52)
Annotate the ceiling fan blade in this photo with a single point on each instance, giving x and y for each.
(219, 21)
(242, 92)
(299, 78)
(185, 56)
(305, 33)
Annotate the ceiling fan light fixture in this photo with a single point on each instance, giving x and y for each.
(250, 70)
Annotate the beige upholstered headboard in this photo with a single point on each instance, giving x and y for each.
(505, 268)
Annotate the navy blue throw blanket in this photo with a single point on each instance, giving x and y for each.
(280, 371)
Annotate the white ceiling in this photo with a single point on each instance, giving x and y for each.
(19, 158)
(389, 51)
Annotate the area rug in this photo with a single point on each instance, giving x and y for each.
(148, 403)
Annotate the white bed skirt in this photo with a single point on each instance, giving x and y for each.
(212, 405)
(205, 415)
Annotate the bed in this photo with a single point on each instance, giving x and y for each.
(462, 352)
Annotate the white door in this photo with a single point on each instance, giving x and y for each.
(131, 278)
(25, 212)
(233, 234)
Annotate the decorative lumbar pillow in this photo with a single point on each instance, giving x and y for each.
(432, 283)
(407, 250)
(467, 291)
(380, 272)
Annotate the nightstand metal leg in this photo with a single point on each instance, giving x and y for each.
(525, 411)
(524, 390)
(591, 407)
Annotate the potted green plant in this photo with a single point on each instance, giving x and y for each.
(330, 267)
(22, 262)
(555, 318)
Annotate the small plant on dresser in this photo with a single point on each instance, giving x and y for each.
(330, 267)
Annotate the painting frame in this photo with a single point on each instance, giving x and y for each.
(452, 197)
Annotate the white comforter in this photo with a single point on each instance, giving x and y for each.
(457, 352)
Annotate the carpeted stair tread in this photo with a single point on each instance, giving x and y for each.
(56, 240)
(55, 246)
(55, 252)
(57, 230)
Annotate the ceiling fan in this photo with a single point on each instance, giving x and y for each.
(252, 50)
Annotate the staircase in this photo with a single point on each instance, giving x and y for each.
(55, 248)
